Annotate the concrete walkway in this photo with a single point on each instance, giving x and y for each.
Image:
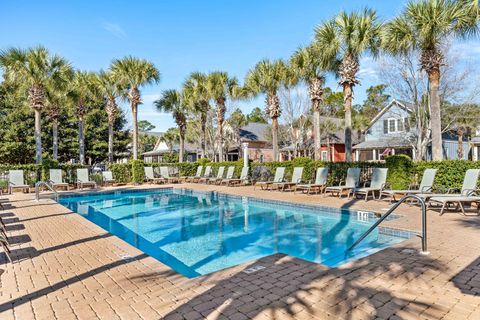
(65, 267)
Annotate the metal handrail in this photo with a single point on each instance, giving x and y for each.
(395, 206)
(49, 187)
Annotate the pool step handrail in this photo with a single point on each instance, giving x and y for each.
(49, 187)
(395, 206)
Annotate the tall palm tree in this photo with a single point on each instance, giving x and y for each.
(35, 69)
(55, 101)
(82, 93)
(108, 87)
(308, 65)
(221, 87)
(346, 38)
(172, 102)
(132, 73)
(267, 77)
(425, 25)
(198, 96)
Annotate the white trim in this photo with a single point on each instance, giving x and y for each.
(388, 106)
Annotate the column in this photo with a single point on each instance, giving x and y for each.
(245, 154)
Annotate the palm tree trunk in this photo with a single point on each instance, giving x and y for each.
(81, 139)
(55, 139)
(316, 134)
(460, 143)
(110, 142)
(182, 147)
(275, 138)
(38, 137)
(347, 94)
(435, 115)
(204, 134)
(135, 131)
(220, 140)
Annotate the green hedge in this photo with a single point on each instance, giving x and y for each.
(138, 174)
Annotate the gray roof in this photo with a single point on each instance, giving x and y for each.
(189, 148)
(254, 131)
(397, 142)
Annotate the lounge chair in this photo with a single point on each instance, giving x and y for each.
(197, 175)
(351, 182)
(166, 175)
(229, 176)
(469, 187)
(219, 176)
(296, 179)
(83, 179)
(206, 175)
(150, 176)
(279, 177)
(56, 180)
(318, 185)
(16, 181)
(242, 180)
(377, 184)
(108, 177)
(456, 200)
(426, 186)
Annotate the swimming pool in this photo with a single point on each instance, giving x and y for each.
(196, 233)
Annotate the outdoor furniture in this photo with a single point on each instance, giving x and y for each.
(379, 178)
(108, 177)
(197, 175)
(229, 176)
(279, 177)
(469, 187)
(16, 181)
(83, 179)
(318, 185)
(150, 176)
(206, 175)
(458, 201)
(351, 182)
(6, 246)
(219, 176)
(425, 186)
(296, 179)
(243, 180)
(56, 179)
(166, 175)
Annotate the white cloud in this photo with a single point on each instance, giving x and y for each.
(115, 29)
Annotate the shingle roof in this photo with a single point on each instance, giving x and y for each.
(396, 142)
(254, 131)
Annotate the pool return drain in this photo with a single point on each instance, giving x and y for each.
(253, 269)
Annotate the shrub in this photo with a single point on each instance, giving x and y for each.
(46, 165)
(400, 171)
(138, 173)
(122, 172)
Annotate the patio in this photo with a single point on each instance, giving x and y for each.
(66, 267)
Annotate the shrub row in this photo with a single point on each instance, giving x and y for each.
(402, 170)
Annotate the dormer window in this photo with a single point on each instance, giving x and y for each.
(393, 125)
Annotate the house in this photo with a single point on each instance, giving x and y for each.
(161, 149)
(390, 132)
(254, 136)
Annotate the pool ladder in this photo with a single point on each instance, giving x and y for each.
(395, 206)
(49, 187)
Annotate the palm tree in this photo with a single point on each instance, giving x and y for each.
(346, 38)
(425, 26)
(173, 102)
(221, 86)
(132, 73)
(198, 96)
(82, 93)
(308, 65)
(55, 101)
(109, 89)
(35, 69)
(268, 77)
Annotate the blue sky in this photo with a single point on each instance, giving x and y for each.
(178, 36)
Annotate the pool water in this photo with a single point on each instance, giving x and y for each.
(196, 233)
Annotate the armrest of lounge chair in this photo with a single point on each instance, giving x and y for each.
(426, 189)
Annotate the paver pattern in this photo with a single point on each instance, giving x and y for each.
(65, 267)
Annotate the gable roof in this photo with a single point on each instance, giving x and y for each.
(254, 131)
(402, 104)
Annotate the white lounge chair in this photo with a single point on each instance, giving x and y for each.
(468, 188)
(425, 186)
(206, 175)
(166, 175)
(279, 177)
(150, 176)
(56, 180)
(457, 200)
(197, 175)
(16, 180)
(296, 179)
(242, 180)
(229, 176)
(83, 179)
(351, 182)
(318, 185)
(219, 176)
(108, 178)
(377, 184)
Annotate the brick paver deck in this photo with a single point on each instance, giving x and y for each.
(66, 267)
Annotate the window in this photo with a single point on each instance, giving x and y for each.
(395, 125)
(324, 155)
(392, 125)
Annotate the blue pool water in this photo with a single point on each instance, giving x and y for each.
(197, 233)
